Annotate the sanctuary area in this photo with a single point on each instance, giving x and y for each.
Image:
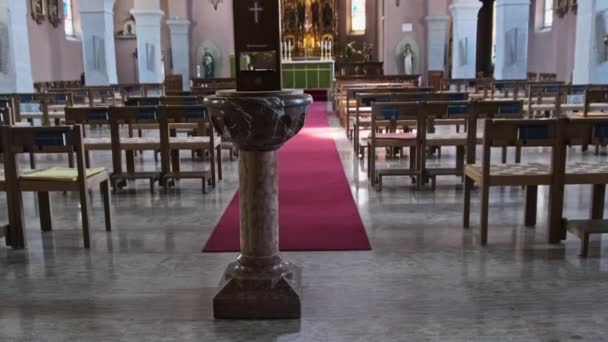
(303, 170)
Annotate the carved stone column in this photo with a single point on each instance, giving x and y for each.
(180, 49)
(512, 22)
(99, 51)
(464, 49)
(590, 64)
(149, 49)
(15, 61)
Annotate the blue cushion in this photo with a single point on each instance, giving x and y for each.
(600, 132)
(146, 115)
(367, 101)
(533, 132)
(508, 108)
(457, 110)
(196, 114)
(458, 97)
(389, 113)
(50, 139)
(98, 115)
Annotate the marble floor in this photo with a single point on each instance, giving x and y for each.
(426, 278)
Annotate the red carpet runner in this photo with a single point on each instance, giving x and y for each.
(316, 208)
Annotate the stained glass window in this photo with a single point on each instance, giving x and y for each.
(357, 16)
(548, 14)
(68, 19)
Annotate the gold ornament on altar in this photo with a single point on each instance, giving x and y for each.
(310, 25)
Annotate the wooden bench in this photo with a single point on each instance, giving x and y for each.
(60, 139)
(207, 140)
(521, 133)
(584, 228)
(387, 115)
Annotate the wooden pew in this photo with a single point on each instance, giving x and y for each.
(120, 116)
(517, 133)
(171, 144)
(441, 110)
(364, 101)
(591, 171)
(388, 114)
(60, 139)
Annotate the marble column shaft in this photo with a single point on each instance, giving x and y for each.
(99, 51)
(464, 49)
(259, 203)
(16, 67)
(589, 66)
(512, 22)
(437, 36)
(180, 49)
(149, 49)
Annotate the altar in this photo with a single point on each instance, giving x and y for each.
(308, 74)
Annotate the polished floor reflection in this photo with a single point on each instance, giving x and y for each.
(426, 278)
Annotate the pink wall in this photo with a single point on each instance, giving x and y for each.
(54, 57)
(551, 51)
(412, 12)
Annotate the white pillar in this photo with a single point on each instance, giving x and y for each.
(15, 61)
(180, 49)
(464, 48)
(99, 51)
(589, 66)
(512, 21)
(149, 49)
(437, 35)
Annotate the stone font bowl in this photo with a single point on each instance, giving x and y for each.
(258, 121)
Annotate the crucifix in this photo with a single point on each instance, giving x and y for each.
(256, 9)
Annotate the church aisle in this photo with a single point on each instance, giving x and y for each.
(311, 180)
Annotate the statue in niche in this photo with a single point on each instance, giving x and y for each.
(328, 16)
(408, 60)
(54, 15)
(208, 65)
(314, 8)
(301, 14)
(129, 29)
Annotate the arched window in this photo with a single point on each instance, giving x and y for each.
(357, 17)
(68, 18)
(548, 14)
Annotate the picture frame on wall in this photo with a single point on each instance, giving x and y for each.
(54, 12)
(38, 10)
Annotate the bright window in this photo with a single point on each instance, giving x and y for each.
(357, 16)
(548, 14)
(68, 19)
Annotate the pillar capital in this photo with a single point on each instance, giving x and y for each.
(465, 10)
(178, 26)
(96, 6)
(147, 17)
(437, 19)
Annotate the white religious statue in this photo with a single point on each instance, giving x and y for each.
(408, 60)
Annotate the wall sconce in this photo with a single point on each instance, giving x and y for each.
(397, 2)
(215, 3)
